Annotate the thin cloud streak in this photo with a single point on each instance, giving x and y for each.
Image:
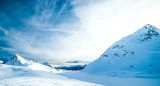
(85, 32)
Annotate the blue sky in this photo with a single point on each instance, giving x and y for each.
(63, 30)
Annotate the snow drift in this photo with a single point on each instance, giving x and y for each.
(138, 52)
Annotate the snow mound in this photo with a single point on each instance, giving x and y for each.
(138, 52)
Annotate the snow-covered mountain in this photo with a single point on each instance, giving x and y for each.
(17, 60)
(138, 52)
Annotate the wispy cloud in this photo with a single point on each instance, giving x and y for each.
(4, 31)
(80, 29)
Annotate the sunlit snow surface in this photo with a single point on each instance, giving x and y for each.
(17, 71)
(22, 76)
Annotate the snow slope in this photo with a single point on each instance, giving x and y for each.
(17, 71)
(112, 80)
(138, 53)
(22, 76)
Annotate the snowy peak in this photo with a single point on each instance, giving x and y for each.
(148, 28)
(17, 60)
(148, 32)
(16, 57)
